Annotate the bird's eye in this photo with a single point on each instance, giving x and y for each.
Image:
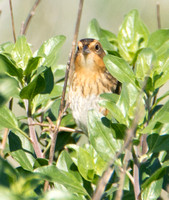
(77, 48)
(97, 47)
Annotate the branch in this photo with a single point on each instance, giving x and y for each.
(69, 65)
(12, 19)
(24, 26)
(61, 108)
(158, 16)
(32, 132)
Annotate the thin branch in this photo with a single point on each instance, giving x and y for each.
(158, 16)
(159, 27)
(69, 65)
(4, 139)
(136, 175)
(32, 132)
(12, 19)
(25, 25)
(61, 108)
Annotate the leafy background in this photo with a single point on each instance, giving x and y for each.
(135, 57)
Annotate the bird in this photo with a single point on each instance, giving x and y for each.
(89, 80)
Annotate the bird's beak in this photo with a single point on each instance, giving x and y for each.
(86, 50)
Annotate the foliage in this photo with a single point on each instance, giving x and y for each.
(140, 61)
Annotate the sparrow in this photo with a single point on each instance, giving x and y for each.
(90, 79)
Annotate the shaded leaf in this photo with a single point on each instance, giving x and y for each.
(21, 150)
(33, 63)
(33, 88)
(8, 88)
(9, 66)
(160, 116)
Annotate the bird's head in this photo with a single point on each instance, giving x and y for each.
(89, 55)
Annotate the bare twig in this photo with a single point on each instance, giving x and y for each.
(159, 27)
(158, 16)
(52, 127)
(69, 65)
(12, 19)
(136, 176)
(24, 26)
(32, 132)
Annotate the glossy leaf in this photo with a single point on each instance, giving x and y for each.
(132, 35)
(120, 69)
(146, 61)
(54, 174)
(33, 88)
(21, 52)
(50, 49)
(101, 136)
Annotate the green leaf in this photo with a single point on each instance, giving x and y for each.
(8, 88)
(160, 116)
(8, 174)
(50, 49)
(95, 31)
(9, 66)
(85, 164)
(157, 143)
(65, 163)
(54, 174)
(21, 52)
(151, 188)
(159, 41)
(120, 69)
(163, 72)
(146, 60)
(101, 136)
(49, 81)
(21, 150)
(8, 120)
(33, 64)
(33, 88)
(104, 36)
(132, 36)
(114, 110)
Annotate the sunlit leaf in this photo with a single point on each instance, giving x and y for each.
(120, 69)
(50, 49)
(21, 52)
(102, 137)
(132, 35)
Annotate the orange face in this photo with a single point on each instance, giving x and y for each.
(89, 55)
